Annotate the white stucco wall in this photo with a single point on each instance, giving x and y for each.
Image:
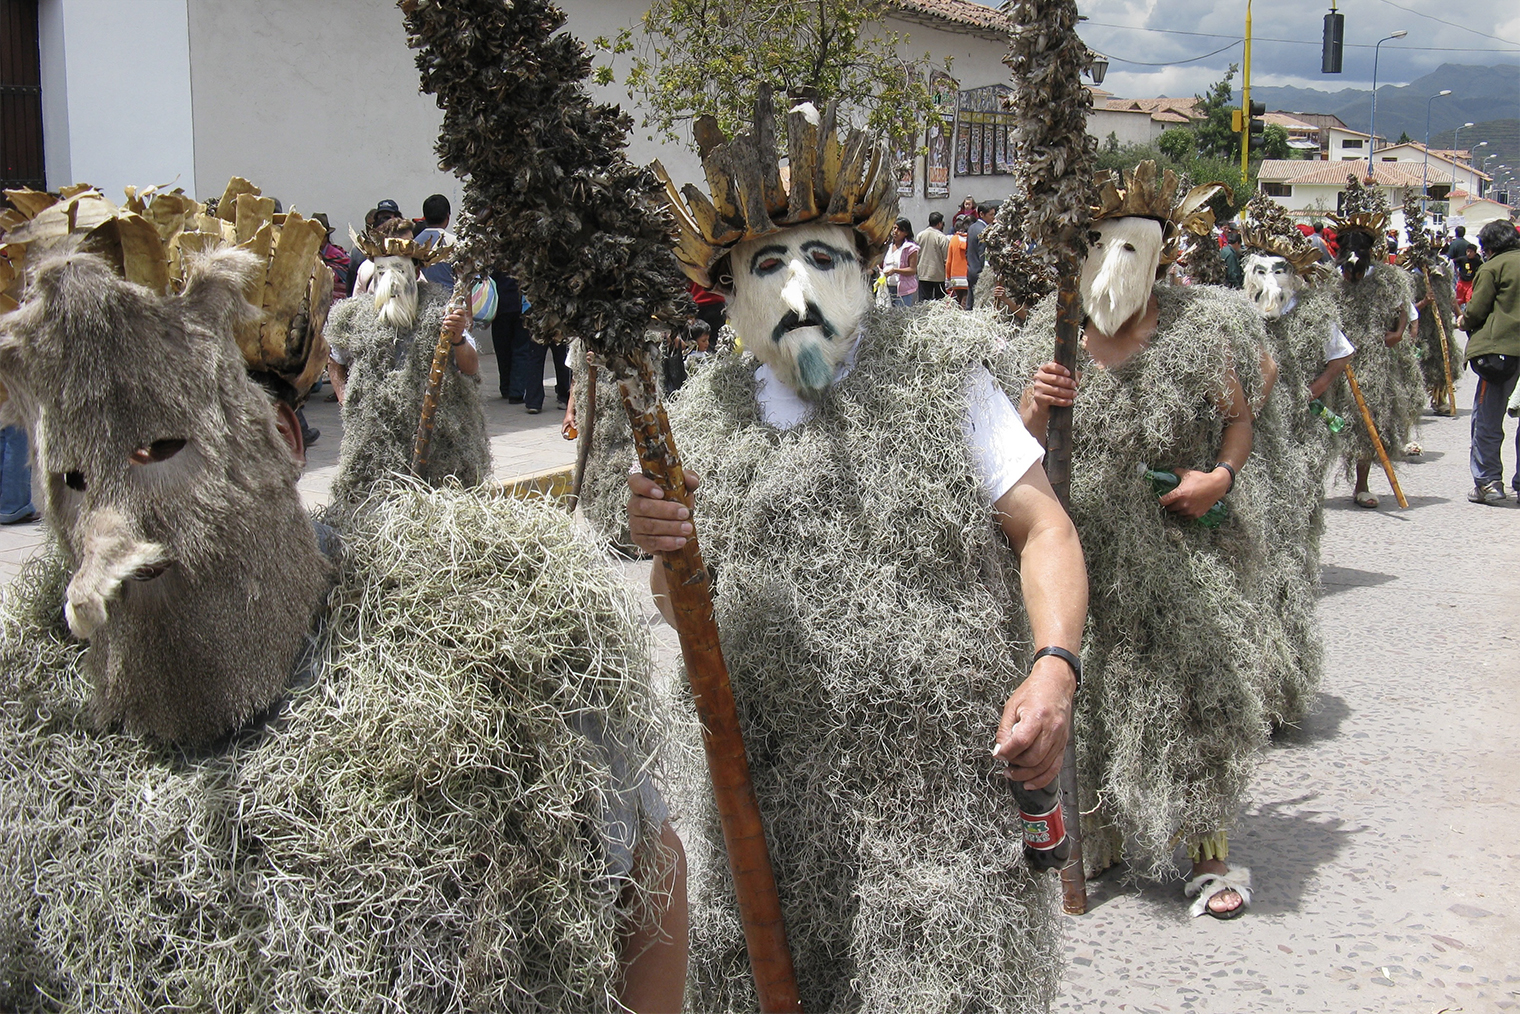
(1127, 128)
(116, 93)
(315, 101)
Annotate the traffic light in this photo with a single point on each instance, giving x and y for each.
(1235, 120)
(1335, 40)
(1258, 109)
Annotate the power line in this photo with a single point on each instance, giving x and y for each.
(1450, 24)
(1172, 63)
(1295, 42)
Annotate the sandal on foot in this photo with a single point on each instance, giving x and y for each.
(1365, 499)
(1413, 449)
(1208, 886)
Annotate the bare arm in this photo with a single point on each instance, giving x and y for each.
(1037, 718)
(1334, 368)
(1052, 384)
(465, 356)
(658, 526)
(338, 374)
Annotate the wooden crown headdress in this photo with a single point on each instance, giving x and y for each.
(147, 239)
(1364, 210)
(826, 179)
(1268, 229)
(374, 247)
(1140, 193)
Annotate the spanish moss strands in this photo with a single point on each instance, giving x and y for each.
(1171, 713)
(872, 628)
(1389, 377)
(380, 406)
(549, 195)
(604, 487)
(418, 831)
(1419, 255)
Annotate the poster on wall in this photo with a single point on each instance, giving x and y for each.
(974, 163)
(905, 157)
(983, 124)
(942, 91)
(962, 148)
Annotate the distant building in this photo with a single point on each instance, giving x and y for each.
(1474, 212)
(1322, 123)
(1462, 175)
(1303, 136)
(1311, 190)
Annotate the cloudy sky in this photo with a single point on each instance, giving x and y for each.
(1474, 32)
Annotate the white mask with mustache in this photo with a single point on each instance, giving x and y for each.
(799, 297)
(1271, 284)
(1120, 270)
(396, 291)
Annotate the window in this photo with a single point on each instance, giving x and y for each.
(20, 96)
(1351, 142)
(1277, 189)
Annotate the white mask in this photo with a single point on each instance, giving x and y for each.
(1271, 284)
(396, 291)
(1120, 270)
(799, 298)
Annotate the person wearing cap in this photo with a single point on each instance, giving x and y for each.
(335, 257)
(381, 213)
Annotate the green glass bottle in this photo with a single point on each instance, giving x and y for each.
(1336, 423)
(1163, 482)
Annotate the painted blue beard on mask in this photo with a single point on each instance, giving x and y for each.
(799, 298)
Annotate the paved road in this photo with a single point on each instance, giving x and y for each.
(1384, 836)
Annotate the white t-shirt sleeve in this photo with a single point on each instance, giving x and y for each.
(339, 355)
(1338, 346)
(1002, 450)
(1414, 312)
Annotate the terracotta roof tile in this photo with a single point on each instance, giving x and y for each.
(1388, 174)
(960, 12)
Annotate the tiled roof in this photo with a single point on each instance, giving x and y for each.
(1288, 121)
(957, 12)
(1388, 174)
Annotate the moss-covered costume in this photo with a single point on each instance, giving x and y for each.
(873, 630)
(1433, 365)
(1389, 377)
(423, 828)
(1171, 715)
(386, 379)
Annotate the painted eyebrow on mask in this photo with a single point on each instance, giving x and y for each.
(848, 256)
(774, 250)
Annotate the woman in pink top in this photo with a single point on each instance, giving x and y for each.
(901, 264)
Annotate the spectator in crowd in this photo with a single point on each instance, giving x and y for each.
(900, 266)
(965, 213)
(933, 246)
(673, 357)
(377, 216)
(1467, 263)
(712, 308)
(1317, 240)
(701, 342)
(335, 257)
(507, 330)
(955, 264)
(1234, 267)
(1458, 246)
(1492, 322)
(436, 212)
(986, 214)
(15, 478)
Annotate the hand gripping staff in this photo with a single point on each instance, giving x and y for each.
(550, 195)
(1046, 59)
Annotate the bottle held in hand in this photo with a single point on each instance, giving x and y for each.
(1163, 482)
(1334, 422)
(1046, 846)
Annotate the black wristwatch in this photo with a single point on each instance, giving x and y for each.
(1063, 655)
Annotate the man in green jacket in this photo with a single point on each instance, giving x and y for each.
(1492, 322)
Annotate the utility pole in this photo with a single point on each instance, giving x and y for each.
(1244, 121)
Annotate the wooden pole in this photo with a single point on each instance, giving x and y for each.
(424, 439)
(1058, 469)
(690, 588)
(588, 431)
(1377, 442)
(1435, 311)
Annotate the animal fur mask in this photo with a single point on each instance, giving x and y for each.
(799, 298)
(1271, 283)
(396, 291)
(1119, 270)
(195, 571)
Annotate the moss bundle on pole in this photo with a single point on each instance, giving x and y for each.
(550, 194)
(1051, 142)
(1438, 349)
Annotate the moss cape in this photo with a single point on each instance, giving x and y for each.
(872, 627)
(1432, 363)
(418, 831)
(1171, 714)
(1295, 447)
(1389, 378)
(386, 380)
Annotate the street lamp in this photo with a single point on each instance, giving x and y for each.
(1372, 120)
(1456, 132)
(1097, 66)
(1425, 170)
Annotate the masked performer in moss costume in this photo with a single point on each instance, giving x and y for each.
(1434, 297)
(1294, 438)
(382, 354)
(435, 797)
(1376, 301)
(1172, 716)
(856, 467)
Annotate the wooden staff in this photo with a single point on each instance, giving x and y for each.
(424, 440)
(1058, 443)
(588, 430)
(689, 585)
(1377, 442)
